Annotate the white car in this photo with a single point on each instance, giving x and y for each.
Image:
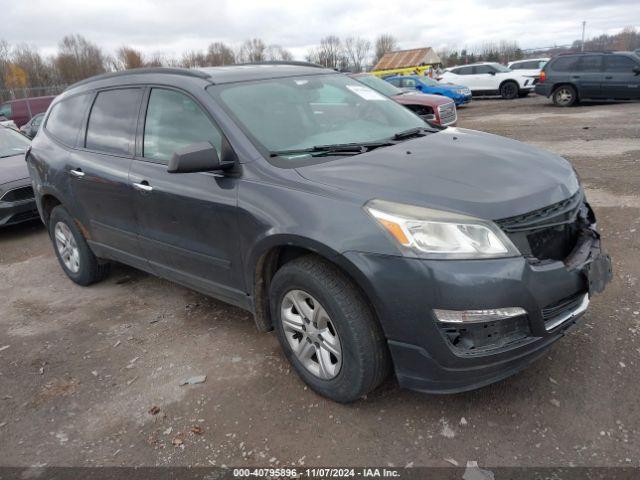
(489, 79)
(530, 67)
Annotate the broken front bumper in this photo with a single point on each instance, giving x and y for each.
(435, 357)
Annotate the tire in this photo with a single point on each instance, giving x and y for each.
(363, 361)
(565, 96)
(73, 253)
(509, 90)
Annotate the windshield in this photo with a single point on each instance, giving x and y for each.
(379, 85)
(12, 143)
(296, 113)
(430, 82)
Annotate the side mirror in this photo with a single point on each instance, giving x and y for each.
(492, 73)
(197, 157)
(636, 70)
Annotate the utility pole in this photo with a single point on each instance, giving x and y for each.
(584, 24)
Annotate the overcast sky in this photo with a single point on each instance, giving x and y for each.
(171, 27)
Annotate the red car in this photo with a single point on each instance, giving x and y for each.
(434, 108)
(24, 109)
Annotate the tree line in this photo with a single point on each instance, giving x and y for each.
(23, 67)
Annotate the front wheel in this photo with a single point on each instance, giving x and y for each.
(565, 96)
(327, 330)
(74, 255)
(509, 90)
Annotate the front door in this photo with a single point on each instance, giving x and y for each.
(99, 174)
(187, 221)
(620, 79)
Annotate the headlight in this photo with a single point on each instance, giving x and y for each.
(427, 233)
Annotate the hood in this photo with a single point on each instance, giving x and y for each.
(13, 168)
(457, 170)
(422, 98)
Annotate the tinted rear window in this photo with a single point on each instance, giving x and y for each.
(463, 71)
(112, 121)
(66, 118)
(565, 64)
(591, 63)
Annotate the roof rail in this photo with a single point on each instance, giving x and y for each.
(294, 63)
(138, 71)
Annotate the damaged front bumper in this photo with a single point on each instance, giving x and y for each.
(436, 357)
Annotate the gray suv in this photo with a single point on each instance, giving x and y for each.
(367, 239)
(567, 79)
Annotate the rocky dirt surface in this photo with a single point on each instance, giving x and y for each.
(91, 376)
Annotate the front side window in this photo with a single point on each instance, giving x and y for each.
(175, 121)
(429, 82)
(619, 63)
(66, 117)
(484, 69)
(112, 121)
(591, 63)
(5, 110)
(295, 113)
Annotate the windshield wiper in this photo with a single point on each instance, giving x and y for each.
(412, 132)
(334, 149)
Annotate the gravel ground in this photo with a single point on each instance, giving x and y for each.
(81, 368)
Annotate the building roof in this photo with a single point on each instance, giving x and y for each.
(408, 58)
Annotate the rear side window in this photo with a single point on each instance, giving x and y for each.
(530, 65)
(408, 83)
(174, 121)
(66, 117)
(565, 64)
(619, 63)
(591, 63)
(112, 121)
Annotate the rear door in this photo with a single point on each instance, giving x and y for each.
(100, 173)
(187, 221)
(467, 78)
(620, 80)
(589, 76)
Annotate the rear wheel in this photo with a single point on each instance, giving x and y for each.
(73, 253)
(509, 90)
(327, 330)
(565, 96)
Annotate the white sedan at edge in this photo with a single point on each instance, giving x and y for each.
(489, 79)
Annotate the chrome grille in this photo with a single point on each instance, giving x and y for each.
(448, 113)
(18, 194)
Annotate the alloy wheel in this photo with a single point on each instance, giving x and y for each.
(67, 247)
(311, 334)
(564, 96)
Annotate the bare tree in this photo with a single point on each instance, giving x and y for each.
(278, 53)
(253, 50)
(38, 72)
(384, 43)
(193, 59)
(78, 58)
(219, 53)
(330, 53)
(357, 51)
(127, 58)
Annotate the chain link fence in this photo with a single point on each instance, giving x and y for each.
(16, 93)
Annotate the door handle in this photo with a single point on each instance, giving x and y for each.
(143, 186)
(575, 76)
(77, 172)
(608, 78)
